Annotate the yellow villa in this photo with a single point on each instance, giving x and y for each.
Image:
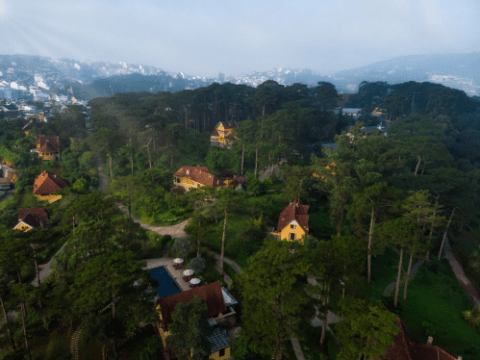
(196, 176)
(293, 223)
(46, 184)
(220, 311)
(29, 219)
(222, 134)
(48, 147)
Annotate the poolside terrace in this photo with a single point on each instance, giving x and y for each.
(168, 264)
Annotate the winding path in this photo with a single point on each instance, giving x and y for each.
(460, 274)
(175, 231)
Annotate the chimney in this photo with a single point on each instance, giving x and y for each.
(430, 340)
(188, 172)
(460, 358)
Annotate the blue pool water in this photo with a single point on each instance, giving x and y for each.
(166, 285)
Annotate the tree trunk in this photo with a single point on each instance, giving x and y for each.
(256, 160)
(7, 321)
(398, 277)
(243, 159)
(131, 155)
(418, 165)
(37, 273)
(22, 307)
(114, 308)
(340, 223)
(408, 276)
(431, 234)
(324, 329)
(445, 235)
(110, 163)
(198, 239)
(223, 243)
(369, 254)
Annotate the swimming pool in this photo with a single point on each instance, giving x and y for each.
(166, 284)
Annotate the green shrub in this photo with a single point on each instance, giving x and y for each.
(331, 348)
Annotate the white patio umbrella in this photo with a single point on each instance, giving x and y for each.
(195, 281)
(178, 261)
(188, 272)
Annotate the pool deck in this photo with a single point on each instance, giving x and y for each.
(168, 264)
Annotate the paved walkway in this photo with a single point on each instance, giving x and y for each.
(46, 269)
(460, 274)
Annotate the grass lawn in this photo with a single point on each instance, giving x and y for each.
(384, 271)
(435, 302)
(233, 244)
(170, 217)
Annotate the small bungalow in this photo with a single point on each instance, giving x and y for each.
(196, 176)
(46, 184)
(293, 223)
(31, 218)
(48, 147)
(220, 311)
(222, 134)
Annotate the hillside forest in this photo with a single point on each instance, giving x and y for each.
(388, 195)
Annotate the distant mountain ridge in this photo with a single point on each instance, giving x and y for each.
(40, 76)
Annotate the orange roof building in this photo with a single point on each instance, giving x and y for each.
(293, 222)
(46, 184)
(196, 176)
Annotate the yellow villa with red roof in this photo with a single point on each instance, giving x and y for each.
(195, 177)
(46, 184)
(293, 223)
(48, 147)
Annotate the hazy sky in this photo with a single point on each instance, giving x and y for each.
(239, 36)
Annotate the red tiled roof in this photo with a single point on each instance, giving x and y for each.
(294, 211)
(200, 175)
(400, 349)
(211, 293)
(34, 217)
(48, 144)
(214, 132)
(229, 125)
(404, 349)
(429, 352)
(47, 183)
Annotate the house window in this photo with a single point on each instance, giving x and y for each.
(293, 236)
(293, 226)
(221, 353)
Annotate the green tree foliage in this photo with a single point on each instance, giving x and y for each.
(273, 297)
(367, 329)
(189, 330)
